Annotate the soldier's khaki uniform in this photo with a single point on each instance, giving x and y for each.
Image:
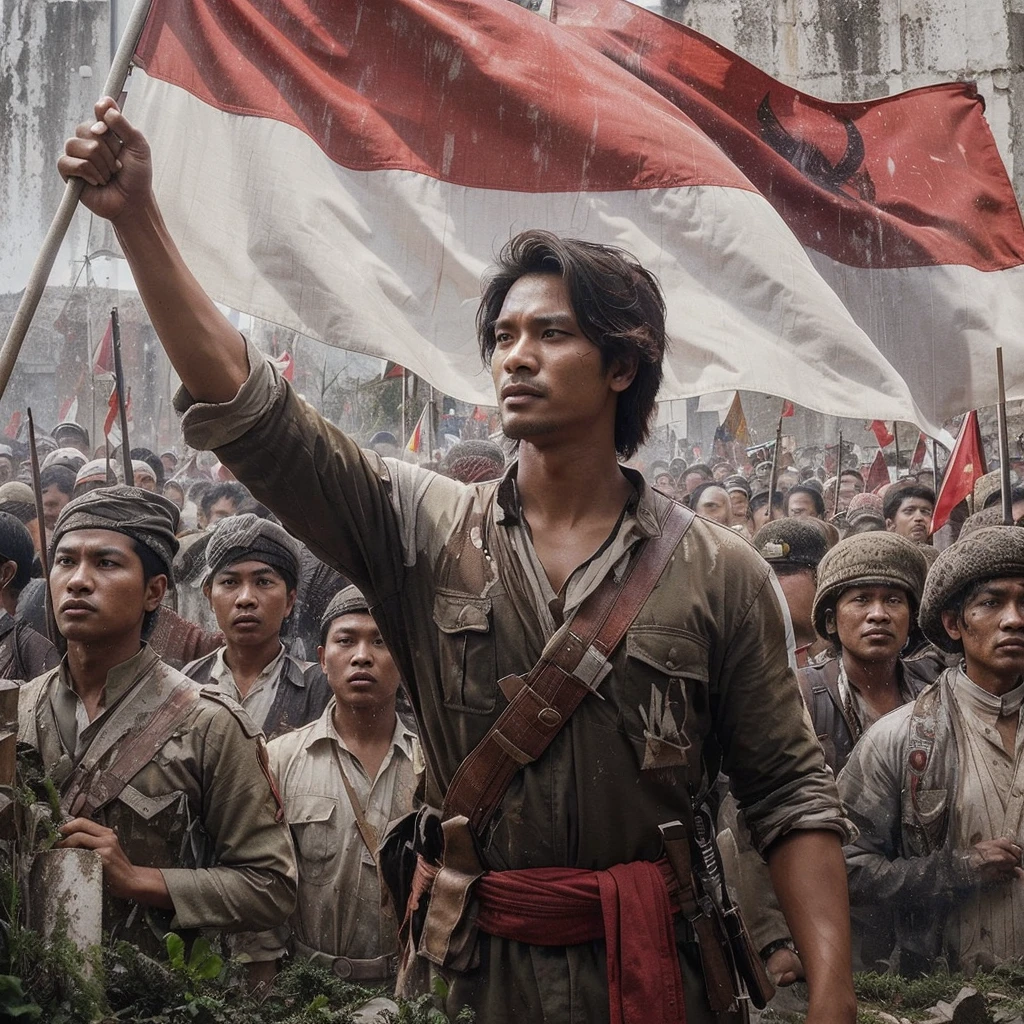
(203, 810)
(462, 600)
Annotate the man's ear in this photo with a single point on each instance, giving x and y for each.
(830, 621)
(322, 660)
(8, 570)
(951, 624)
(290, 606)
(156, 587)
(622, 371)
(207, 591)
(890, 525)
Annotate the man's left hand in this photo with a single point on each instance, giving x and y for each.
(119, 873)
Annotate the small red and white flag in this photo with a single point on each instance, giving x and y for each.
(111, 426)
(13, 427)
(103, 354)
(883, 435)
(418, 437)
(847, 255)
(787, 409)
(68, 410)
(965, 467)
(285, 365)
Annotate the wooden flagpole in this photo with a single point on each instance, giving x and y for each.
(66, 210)
(839, 474)
(126, 453)
(44, 555)
(1004, 444)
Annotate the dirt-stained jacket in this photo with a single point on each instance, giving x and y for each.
(457, 590)
(899, 787)
(203, 810)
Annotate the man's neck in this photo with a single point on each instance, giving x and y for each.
(997, 685)
(569, 483)
(247, 662)
(873, 680)
(89, 664)
(367, 732)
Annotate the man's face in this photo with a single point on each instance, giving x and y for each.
(6, 469)
(54, 499)
(222, 508)
(720, 472)
(97, 587)
(872, 622)
(913, 519)
(170, 463)
(549, 378)
(714, 504)
(250, 600)
(801, 506)
(761, 515)
(848, 487)
(664, 482)
(693, 480)
(740, 504)
(991, 628)
(146, 480)
(357, 662)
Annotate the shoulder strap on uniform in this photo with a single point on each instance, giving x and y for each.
(541, 704)
(88, 791)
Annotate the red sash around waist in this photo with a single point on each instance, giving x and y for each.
(629, 907)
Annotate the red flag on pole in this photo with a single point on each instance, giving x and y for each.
(966, 465)
(13, 425)
(882, 433)
(787, 408)
(111, 411)
(878, 474)
(917, 461)
(103, 356)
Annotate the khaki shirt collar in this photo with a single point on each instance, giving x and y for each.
(322, 730)
(120, 678)
(640, 506)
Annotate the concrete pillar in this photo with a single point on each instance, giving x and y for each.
(66, 887)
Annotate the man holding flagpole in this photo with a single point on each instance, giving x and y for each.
(583, 655)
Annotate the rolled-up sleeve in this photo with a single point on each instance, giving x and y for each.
(775, 764)
(252, 882)
(365, 516)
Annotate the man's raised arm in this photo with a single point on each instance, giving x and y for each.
(113, 159)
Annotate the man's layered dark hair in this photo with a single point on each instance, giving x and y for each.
(617, 303)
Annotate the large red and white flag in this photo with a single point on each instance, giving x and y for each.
(348, 170)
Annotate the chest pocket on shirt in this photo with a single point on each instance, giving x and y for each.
(316, 839)
(468, 657)
(160, 830)
(665, 696)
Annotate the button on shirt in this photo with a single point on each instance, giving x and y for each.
(339, 905)
(260, 698)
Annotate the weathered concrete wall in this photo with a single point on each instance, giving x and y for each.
(47, 50)
(862, 49)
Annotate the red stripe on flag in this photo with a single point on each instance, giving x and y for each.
(908, 180)
(609, 98)
(111, 411)
(482, 94)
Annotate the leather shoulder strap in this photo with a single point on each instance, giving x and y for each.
(90, 790)
(566, 672)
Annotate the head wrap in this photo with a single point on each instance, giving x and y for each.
(148, 518)
(868, 559)
(791, 542)
(93, 471)
(18, 499)
(344, 602)
(140, 468)
(246, 537)
(989, 553)
(736, 483)
(70, 457)
(985, 486)
(69, 431)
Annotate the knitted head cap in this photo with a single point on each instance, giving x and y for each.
(989, 553)
(791, 542)
(868, 559)
(346, 601)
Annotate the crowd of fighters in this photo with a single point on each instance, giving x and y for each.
(563, 699)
